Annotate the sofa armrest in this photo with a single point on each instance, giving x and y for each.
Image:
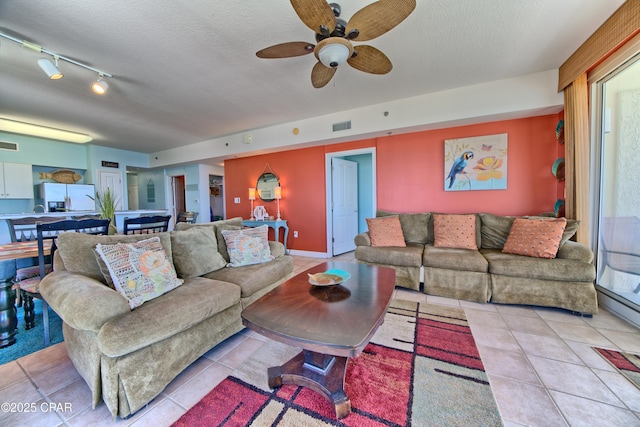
(276, 248)
(83, 303)
(362, 239)
(575, 250)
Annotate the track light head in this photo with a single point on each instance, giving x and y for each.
(100, 86)
(50, 69)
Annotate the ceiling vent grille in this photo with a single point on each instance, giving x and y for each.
(9, 146)
(342, 126)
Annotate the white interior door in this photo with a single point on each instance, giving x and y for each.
(112, 180)
(344, 185)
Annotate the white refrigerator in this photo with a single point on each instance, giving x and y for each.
(71, 197)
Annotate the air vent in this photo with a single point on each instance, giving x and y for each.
(342, 126)
(10, 146)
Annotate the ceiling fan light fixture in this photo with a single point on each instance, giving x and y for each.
(334, 51)
(99, 86)
(50, 69)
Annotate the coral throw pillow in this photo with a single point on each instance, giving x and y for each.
(538, 238)
(140, 271)
(247, 246)
(454, 231)
(386, 231)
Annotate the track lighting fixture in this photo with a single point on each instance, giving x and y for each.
(50, 69)
(99, 87)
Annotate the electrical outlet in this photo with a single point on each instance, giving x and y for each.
(295, 234)
(236, 200)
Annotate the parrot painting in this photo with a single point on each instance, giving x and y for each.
(458, 166)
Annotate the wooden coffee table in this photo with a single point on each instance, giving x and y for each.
(330, 324)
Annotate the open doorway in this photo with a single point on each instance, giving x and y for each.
(178, 196)
(339, 236)
(216, 197)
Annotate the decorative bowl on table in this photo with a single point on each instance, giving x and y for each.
(329, 277)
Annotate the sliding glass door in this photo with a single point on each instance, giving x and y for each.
(617, 170)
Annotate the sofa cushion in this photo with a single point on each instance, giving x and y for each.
(140, 271)
(454, 259)
(569, 230)
(247, 246)
(409, 256)
(454, 231)
(227, 224)
(195, 252)
(76, 250)
(495, 230)
(252, 278)
(196, 300)
(386, 231)
(535, 237)
(415, 226)
(431, 231)
(566, 270)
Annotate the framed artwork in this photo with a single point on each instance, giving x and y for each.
(476, 163)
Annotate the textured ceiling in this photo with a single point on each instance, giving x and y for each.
(185, 71)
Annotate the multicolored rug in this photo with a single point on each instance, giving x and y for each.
(628, 364)
(421, 368)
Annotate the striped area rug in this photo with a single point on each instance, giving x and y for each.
(628, 364)
(422, 368)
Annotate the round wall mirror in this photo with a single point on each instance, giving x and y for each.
(265, 186)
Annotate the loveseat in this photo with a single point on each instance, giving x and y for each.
(128, 355)
(485, 274)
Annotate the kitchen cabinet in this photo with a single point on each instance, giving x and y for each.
(16, 181)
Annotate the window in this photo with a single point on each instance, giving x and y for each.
(615, 88)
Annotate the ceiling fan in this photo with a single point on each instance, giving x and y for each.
(334, 36)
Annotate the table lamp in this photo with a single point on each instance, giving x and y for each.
(252, 197)
(277, 192)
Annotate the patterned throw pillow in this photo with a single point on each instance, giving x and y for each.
(454, 231)
(386, 231)
(538, 238)
(140, 271)
(247, 246)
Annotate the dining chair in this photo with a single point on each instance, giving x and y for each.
(146, 224)
(24, 229)
(27, 281)
(188, 217)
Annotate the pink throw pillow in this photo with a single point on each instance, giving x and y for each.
(454, 231)
(538, 238)
(386, 231)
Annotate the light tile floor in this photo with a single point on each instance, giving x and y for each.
(541, 367)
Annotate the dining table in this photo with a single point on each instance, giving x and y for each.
(9, 253)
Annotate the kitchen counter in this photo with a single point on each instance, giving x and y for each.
(120, 215)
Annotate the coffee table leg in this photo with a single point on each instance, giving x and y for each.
(321, 373)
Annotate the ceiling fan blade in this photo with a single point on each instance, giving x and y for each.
(370, 60)
(316, 14)
(321, 75)
(378, 18)
(286, 50)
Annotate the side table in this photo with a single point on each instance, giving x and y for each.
(275, 224)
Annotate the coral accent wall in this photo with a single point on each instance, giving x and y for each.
(410, 177)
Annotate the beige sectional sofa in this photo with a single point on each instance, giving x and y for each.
(128, 356)
(486, 274)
